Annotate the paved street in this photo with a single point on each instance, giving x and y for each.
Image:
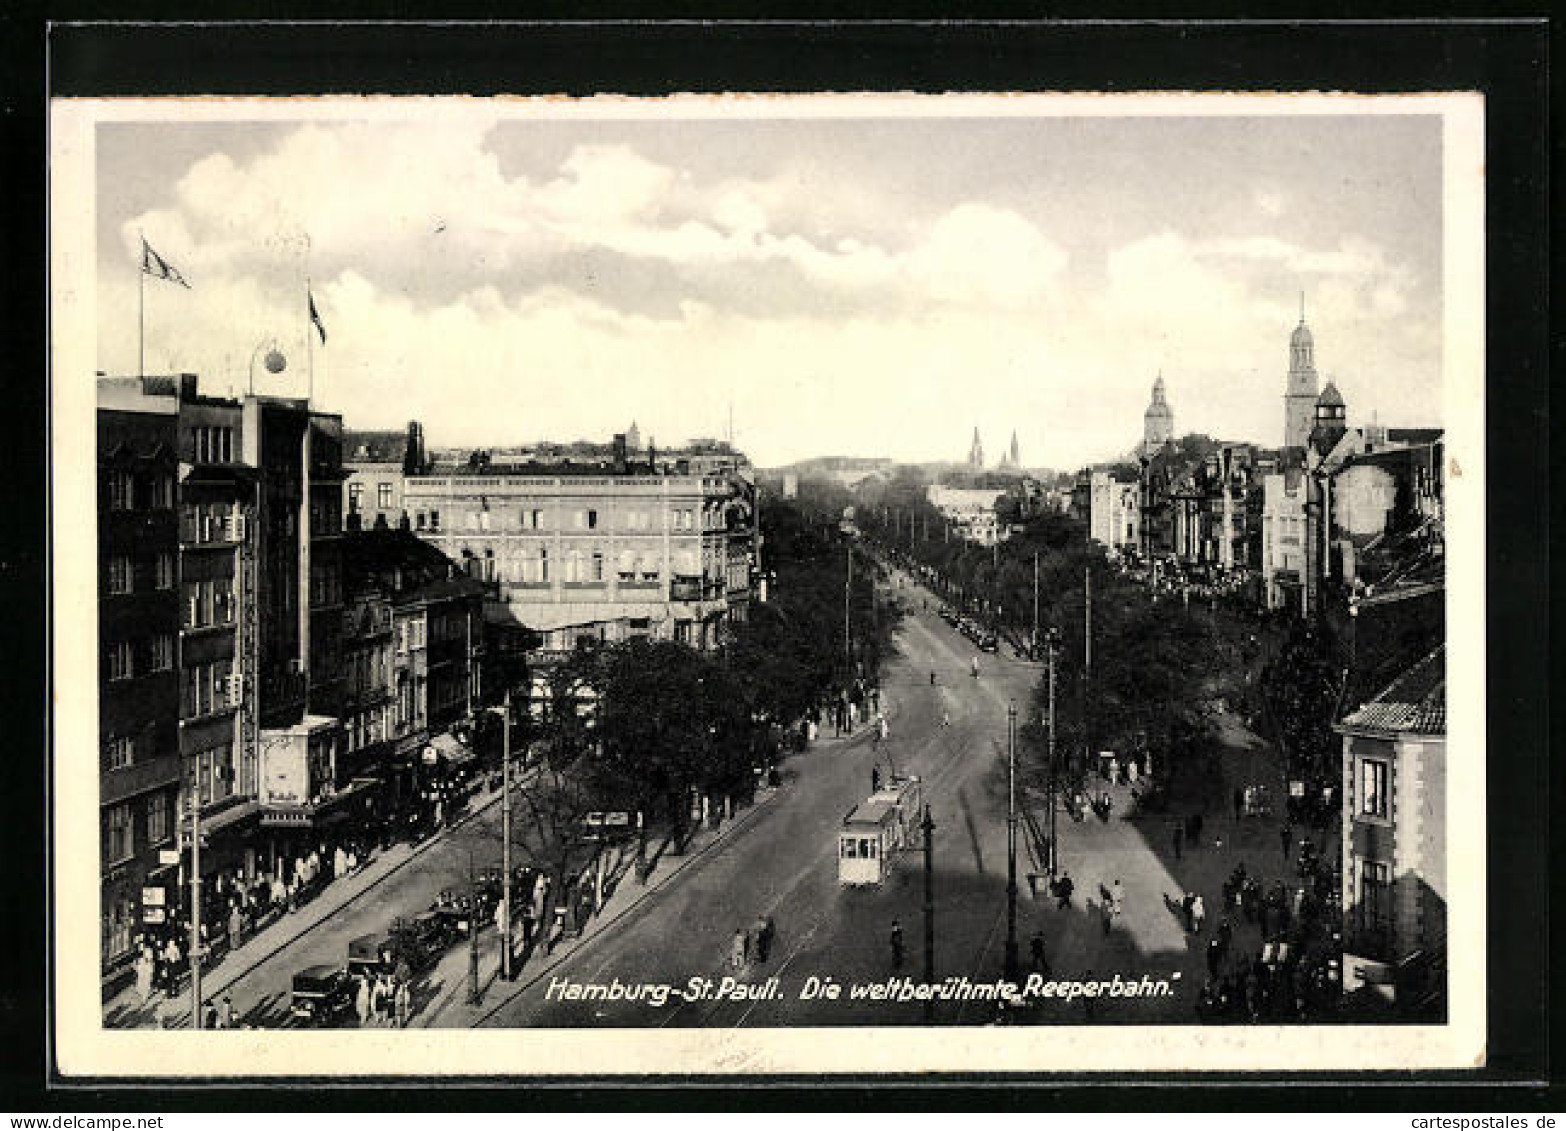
(783, 864)
(778, 859)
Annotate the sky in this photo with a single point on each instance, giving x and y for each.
(846, 286)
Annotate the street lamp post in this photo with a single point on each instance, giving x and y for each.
(1011, 842)
(505, 840)
(1052, 641)
(927, 826)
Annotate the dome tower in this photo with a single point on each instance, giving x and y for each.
(1158, 420)
(1302, 387)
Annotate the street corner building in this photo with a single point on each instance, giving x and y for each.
(248, 686)
(1395, 842)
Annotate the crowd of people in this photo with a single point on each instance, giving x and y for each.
(234, 908)
(1294, 973)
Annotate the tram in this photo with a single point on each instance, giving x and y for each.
(876, 830)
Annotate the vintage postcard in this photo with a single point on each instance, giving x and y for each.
(834, 585)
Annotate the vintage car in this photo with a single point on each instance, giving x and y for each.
(369, 956)
(321, 995)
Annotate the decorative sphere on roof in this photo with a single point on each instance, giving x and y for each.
(275, 361)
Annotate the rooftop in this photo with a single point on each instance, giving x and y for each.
(1413, 703)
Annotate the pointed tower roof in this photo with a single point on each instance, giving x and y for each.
(1301, 335)
(1330, 395)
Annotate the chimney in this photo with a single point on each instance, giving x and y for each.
(187, 387)
(619, 453)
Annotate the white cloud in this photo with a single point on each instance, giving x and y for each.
(977, 315)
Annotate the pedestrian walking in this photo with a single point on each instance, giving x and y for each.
(380, 1001)
(146, 967)
(897, 945)
(875, 780)
(1117, 898)
(1214, 957)
(1239, 802)
(1186, 914)
(361, 1001)
(1039, 963)
(230, 1016)
(737, 949)
(210, 1017)
(1179, 839)
(763, 937)
(1285, 838)
(402, 1002)
(236, 927)
(1063, 889)
(1198, 914)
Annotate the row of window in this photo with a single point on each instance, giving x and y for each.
(213, 775)
(119, 833)
(212, 445)
(208, 603)
(122, 573)
(124, 663)
(212, 522)
(383, 496)
(410, 635)
(483, 519)
(125, 491)
(208, 689)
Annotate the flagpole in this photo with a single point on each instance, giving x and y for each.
(141, 309)
(309, 347)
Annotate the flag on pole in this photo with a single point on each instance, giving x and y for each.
(315, 316)
(155, 265)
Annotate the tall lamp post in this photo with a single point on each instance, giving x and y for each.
(1011, 842)
(505, 837)
(1051, 643)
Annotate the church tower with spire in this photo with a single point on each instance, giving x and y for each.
(1302, 388)
(1158, 420)
(976, 453)
(1014, 458)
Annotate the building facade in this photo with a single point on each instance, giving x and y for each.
(139, 767)
(1394, 835)
(241, 533)
(603, 551)
(1114, 515)
(970, 512)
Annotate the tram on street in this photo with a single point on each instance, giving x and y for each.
(876, 830)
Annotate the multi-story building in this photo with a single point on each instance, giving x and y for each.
(970, 511)
(252, 573)
(605, 551)
(1114, 515)
(374, 465)
(139, 679)
(1394, 838)
(416, 640)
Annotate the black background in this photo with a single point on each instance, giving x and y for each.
(921, 51)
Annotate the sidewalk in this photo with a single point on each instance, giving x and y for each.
(126, 1010)
(450, 1009)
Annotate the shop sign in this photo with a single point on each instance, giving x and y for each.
(152, 897)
